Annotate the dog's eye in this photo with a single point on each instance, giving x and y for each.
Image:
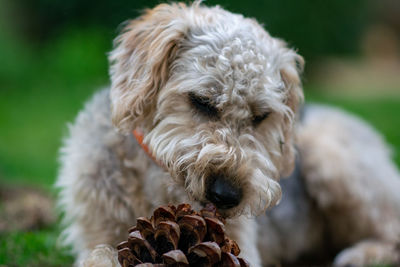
(257, 119)
(203, 105)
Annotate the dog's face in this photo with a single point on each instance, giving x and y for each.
(216, 97)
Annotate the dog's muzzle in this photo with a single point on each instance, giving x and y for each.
(223, 193)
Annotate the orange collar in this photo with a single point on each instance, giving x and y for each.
(139, 138)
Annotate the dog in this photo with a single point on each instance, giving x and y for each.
(217, 103)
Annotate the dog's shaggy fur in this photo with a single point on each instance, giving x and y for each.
(217, 96)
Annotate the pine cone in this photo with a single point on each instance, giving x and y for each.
(180, 237)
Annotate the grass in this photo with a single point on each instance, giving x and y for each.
(33, 248)
(41, 89)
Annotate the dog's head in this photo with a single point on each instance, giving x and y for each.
(216, 97)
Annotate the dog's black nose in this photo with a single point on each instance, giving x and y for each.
(223, 193)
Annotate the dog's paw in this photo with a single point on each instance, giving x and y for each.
(368, 253)
(102, 256)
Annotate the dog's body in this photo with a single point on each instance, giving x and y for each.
(216, 98)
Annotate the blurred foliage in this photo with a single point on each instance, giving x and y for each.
(41, 90)
(314, 27)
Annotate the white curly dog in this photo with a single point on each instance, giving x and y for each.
(217, 102)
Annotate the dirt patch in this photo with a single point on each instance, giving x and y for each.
(24, 208)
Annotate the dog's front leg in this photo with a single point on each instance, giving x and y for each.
(244, 231)
(101, 256)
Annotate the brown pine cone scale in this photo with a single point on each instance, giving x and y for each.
(180, 237)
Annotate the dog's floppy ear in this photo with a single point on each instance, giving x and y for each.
(140, 62)
(290, 71)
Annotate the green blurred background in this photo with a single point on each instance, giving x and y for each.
(53, 57)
